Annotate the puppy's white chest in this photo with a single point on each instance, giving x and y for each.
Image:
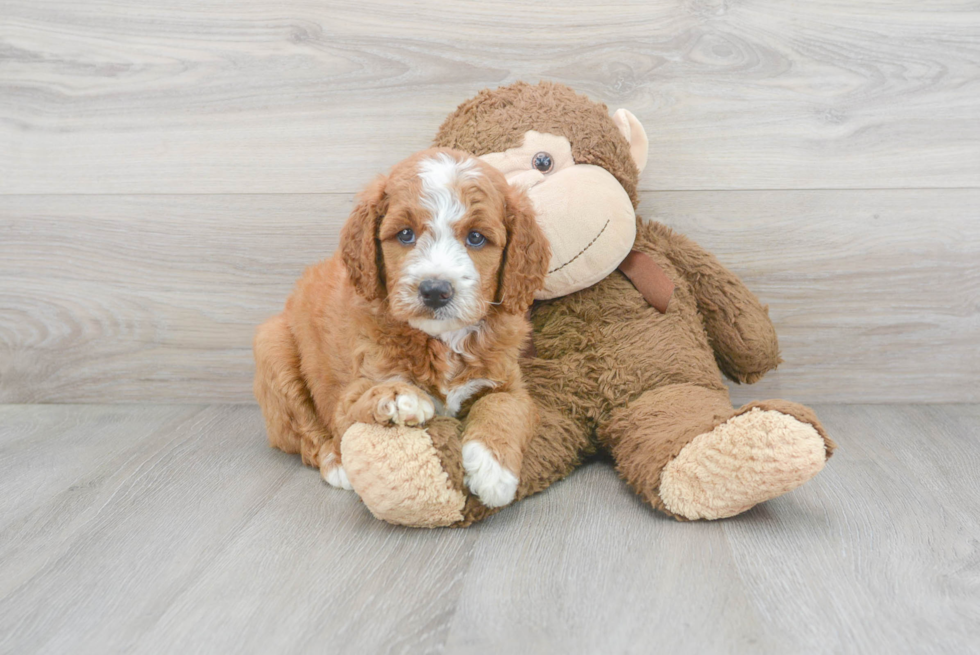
(456, 396)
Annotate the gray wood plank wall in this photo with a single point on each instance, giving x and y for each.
(168, 168)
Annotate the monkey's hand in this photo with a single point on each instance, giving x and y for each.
(738, 325)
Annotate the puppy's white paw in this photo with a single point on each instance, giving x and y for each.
(334, 473)
(485, 477)
(409, 409)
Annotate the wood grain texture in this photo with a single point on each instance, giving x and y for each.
(875, 295)
(47, 451)
(155, 298)
(148, 298)
(308, 96)
(190, 534)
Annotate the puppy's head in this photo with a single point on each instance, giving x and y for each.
(447, 241)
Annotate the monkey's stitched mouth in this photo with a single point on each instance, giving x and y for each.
(582, 251)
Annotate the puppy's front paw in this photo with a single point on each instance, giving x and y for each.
(334, 473)
(395, 403)
(494, 485)
(410, 408)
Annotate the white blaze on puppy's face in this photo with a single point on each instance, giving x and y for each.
(441, 203)
(438, 253)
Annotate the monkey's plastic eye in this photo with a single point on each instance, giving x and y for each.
(475, 240)
(543, 162)
(407, 236)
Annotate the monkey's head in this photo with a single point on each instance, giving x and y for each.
(579, 165)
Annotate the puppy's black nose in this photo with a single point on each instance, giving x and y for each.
(435, 293)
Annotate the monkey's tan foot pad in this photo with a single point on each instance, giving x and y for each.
(398, 474)
(749, 459)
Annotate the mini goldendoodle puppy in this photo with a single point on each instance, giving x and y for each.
(422, 311)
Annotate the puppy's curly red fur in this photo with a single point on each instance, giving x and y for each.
(352, 344)
(523, 273)
(359, 242)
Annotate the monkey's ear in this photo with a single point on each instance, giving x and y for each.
(359, 241)
(526, 255)
(635, 135)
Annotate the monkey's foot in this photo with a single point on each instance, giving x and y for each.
(749, 459)
(400, 476)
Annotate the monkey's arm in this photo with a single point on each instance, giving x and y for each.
(738, 325)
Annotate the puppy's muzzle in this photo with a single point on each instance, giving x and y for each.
(435, 293)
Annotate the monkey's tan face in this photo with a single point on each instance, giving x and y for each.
(582, 209)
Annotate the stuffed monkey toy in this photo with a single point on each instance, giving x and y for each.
(632, 332)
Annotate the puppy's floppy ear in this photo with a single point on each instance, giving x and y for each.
(359, 241)
(526, 256)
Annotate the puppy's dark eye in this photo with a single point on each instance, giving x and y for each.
(475, 240)
(543, 162)
(407, 236)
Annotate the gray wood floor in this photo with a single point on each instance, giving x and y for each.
(176, 529)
